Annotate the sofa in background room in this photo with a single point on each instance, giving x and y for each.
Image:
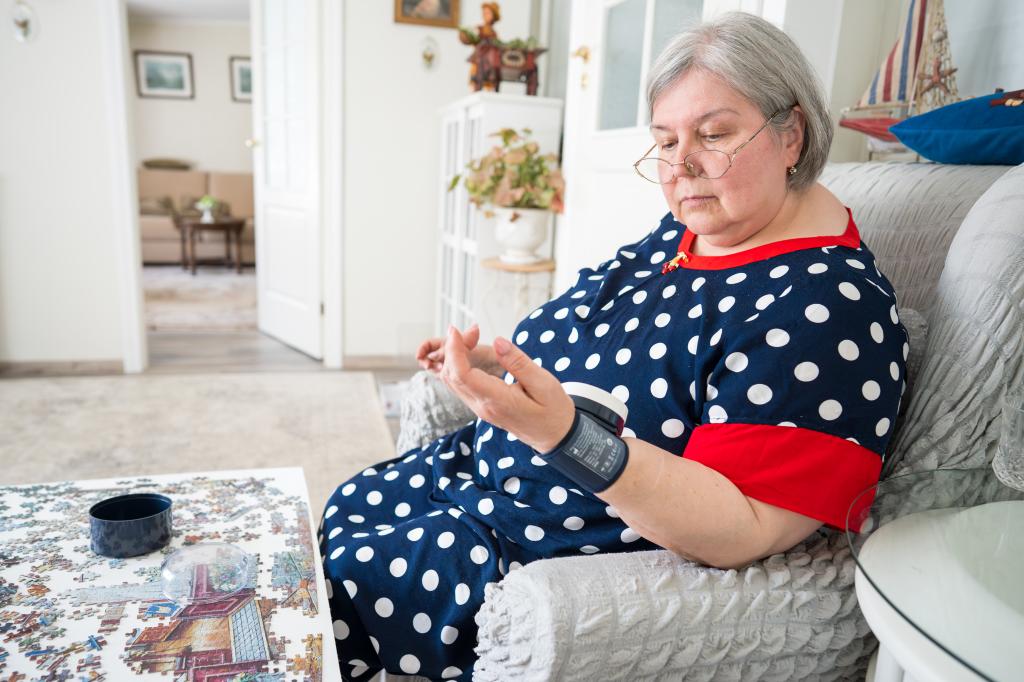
(161, 192)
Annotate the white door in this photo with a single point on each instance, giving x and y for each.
(606, 126)
(286, 171)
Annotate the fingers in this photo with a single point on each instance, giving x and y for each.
(456, 355)
(475, 387)
(427, 347)
(536, 408)
(538, 383)
(472, 336)
(430, 355)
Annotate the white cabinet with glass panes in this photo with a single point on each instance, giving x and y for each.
(467, 291)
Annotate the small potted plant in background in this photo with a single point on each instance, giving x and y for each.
(521, 187)
(207, 204)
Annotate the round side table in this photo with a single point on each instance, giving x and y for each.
(521, 274)
(939, 576)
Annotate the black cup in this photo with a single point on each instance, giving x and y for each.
(130, 525)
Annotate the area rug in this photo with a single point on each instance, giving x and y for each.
(214, 299)
(56, 429)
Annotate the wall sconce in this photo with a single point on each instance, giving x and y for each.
(429, 51)
(24, 22)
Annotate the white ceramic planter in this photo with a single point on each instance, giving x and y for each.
(519, 231)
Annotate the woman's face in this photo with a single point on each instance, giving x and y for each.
(699, 111)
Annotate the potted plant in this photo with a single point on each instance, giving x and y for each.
(207, 204)
(521, 187)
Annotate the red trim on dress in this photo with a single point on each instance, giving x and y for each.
(851, 238)
(813, 473)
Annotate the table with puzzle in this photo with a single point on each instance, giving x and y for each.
(67, 613)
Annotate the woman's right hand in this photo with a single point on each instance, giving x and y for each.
(430, 354)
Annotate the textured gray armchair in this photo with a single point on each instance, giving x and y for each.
(951, 240)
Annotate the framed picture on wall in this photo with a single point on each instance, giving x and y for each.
(164, 74)
(443, 13)
(241, 79)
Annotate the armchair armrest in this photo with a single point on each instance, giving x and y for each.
(429, 411)
(652, 615)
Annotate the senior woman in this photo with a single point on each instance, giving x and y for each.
(750, 334)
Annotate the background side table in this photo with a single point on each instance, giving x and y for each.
(231, 227)
(512, 292)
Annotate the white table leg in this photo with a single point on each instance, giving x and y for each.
(522, 295)
(886, 667)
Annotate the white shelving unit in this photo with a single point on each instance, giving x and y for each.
(467, 292)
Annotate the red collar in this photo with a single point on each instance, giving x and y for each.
(851, 238)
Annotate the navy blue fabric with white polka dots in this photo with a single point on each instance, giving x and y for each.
(807, 341)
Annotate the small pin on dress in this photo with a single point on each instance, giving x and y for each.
(674, 263)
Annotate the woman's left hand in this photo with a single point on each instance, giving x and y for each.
(535, 409)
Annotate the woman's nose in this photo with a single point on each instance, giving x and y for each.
(684, 169)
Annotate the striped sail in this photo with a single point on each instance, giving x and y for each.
(893, 84)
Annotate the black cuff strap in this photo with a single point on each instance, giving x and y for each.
(589, 454)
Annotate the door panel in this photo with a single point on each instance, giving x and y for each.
(607, 204)
(622, 46)
(286, 179)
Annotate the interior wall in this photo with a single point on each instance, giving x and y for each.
(985, 39)
(392, 140)
(867, 33)
(58, 268)
(209, 130)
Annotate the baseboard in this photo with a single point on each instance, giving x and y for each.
(371, 362)
(22, 370)
(177, 264)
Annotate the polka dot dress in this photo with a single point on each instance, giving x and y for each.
(781, 366)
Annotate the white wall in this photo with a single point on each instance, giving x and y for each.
(985, 39)
(58, 276)
(867, 34)
(392, 139)
(209, 130)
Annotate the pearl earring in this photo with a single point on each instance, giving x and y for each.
(792, 170)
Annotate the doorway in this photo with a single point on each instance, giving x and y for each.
(234, 263)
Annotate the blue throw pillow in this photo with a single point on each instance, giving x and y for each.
(968, 132)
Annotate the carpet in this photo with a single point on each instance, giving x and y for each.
(329, 423)
(215, 299)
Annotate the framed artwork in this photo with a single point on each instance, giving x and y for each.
(241, 79)
(444, 13)
(165, 75)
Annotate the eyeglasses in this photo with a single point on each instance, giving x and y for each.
(709, 164)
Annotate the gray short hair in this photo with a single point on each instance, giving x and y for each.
(764, 65)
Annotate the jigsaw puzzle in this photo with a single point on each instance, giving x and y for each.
(69, 614)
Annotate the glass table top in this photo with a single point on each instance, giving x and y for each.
(945, 549)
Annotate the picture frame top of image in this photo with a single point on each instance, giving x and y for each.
(165, 75)
(442, 13)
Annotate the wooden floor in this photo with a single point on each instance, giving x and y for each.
(188, 352)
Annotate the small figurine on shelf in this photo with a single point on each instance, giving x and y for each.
(494, 61)
(486, 58)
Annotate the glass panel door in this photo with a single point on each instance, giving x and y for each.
(634, 34)
(620, 69)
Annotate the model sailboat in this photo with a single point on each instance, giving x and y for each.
(917, 76)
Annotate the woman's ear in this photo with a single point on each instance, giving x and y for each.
(793, 140)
